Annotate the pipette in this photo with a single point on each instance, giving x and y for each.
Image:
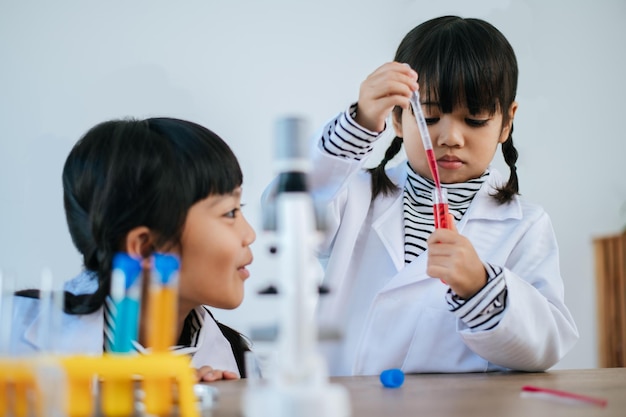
(440, 199)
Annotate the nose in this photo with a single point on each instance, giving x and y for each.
(450, 133)
(249, 235)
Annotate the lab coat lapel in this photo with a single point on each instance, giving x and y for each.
(78, 333)
(32, 331)
(411, 273)
(389, 225)
(213, 349)
(389, 228)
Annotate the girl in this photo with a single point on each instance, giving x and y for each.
(497, 302)
(155, 185)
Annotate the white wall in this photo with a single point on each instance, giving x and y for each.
(235, 66)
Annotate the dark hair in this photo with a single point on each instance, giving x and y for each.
(127, 173)
(460, 62)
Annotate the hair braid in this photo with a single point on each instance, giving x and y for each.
(511, 188)
(380, 181)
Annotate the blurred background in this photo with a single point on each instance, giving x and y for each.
(236, 66)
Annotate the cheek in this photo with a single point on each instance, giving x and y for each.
(417, 157)
(208, 272)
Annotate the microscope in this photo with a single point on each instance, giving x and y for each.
(298, 384)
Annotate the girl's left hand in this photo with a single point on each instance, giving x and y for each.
(453, 259)
(208, 374)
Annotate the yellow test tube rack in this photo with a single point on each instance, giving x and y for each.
(19, 376)
(19, 390)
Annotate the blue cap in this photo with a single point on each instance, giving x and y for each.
(167, 265)
(392, 378)
(129, 265)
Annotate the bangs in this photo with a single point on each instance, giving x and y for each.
(208, 165)
(462, 62)
(211, 166)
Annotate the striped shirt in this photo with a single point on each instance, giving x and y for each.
(344, 138)
(419, 220)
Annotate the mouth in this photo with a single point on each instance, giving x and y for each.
(449, 162)
(243, 271)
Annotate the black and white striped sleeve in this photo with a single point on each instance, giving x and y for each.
(485, 309)
(344, 138)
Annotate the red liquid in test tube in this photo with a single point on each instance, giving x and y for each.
(432, 163)
(440, 208)
(440, 195)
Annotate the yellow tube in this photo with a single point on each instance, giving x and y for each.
(162, 323)
(117, 397)
(79, 401)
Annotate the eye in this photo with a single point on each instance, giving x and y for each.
(232, 214)
(476, 122)
(431, 120)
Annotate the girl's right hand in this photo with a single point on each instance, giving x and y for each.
(208, 374)
(390, 85)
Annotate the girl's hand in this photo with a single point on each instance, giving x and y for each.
(453, 259)
(208, 374)
(390, 85)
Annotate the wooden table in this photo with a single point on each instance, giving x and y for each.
(466, 395)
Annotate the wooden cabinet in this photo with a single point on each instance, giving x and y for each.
(610, 262)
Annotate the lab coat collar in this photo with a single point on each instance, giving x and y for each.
(77, 333)
(81, 333)
(211, 349)
(485, 207)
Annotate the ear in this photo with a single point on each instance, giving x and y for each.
(506, 130)
(139, 242)
(396, 121)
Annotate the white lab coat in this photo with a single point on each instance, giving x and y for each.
(84, 334)
(395, 316)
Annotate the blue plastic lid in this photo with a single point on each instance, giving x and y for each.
(392, 378)
(129, 265)
(166, 266)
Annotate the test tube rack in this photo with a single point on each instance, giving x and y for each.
(32, 395)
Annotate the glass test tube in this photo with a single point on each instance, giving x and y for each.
(440, 208)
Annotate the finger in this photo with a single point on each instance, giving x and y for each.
(204, 373)
(388, 75)
(385, 105)
(437, 272)
(451, 222)
(395, 66)
(203, 370)
(439, 237)
(214, 375)
(387, 86)
(230, 375)
(408, 70)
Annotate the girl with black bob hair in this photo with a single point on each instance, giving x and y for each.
(496, 301)
(146, 186)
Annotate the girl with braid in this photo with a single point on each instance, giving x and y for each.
(485, 295)
(140, 187)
